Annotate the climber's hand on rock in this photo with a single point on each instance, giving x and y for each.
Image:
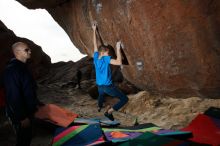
(94, 25)
(118, 45)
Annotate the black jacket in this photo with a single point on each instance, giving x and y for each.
(20, 88)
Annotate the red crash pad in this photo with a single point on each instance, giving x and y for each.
(56, 115)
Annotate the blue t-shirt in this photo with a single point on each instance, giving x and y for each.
(103, 70)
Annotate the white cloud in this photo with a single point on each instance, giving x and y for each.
(39, 26)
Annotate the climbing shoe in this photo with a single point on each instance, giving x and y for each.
(109, 116)
(99, 109)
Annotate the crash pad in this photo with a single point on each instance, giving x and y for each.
(121, 134)
(55, 115)
(78, 136)
(102, 120)
(205, 129)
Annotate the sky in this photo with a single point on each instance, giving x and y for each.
(38, 26)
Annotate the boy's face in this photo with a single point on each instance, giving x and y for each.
(106, 53)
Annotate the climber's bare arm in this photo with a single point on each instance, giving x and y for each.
(117, 61)
(94, 27)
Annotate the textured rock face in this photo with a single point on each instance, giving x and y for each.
(39, 61)
(173, 47)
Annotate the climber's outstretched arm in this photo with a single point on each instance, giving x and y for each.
(94, 27)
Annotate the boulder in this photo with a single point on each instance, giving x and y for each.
(172, 47)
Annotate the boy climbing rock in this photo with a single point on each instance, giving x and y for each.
(102, 62)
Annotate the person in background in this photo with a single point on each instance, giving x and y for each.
(79, 77)
(21, 98)
(102, 62)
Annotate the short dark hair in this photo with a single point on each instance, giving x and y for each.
(103, 48)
